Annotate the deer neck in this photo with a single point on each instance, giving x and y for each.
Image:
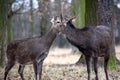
(49, 37)
(73, 36)
(70, 33)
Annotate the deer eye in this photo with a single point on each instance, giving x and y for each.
(58, 22)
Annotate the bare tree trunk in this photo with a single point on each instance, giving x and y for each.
(117, 28)
(117, 24)
(6, 14)
(44, 11)
(31, 18)
(2, 31)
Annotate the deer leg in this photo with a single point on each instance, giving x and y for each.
(87, 58)
(95, 60)
(20, 71)
(106, 59)
(35, 69)
(40, 70)
(8, 67)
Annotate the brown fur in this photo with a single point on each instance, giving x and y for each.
(30, 50)
(92, 42)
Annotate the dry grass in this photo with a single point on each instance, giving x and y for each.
(57, 67)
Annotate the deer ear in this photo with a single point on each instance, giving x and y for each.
(72, 19)
(61, 17)
(52, 20)
(55, 18)
(66, 18)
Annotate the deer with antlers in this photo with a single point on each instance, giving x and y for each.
(93, 42)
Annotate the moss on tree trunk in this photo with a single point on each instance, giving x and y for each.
(2, 31)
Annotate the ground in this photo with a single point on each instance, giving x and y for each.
(59, 65)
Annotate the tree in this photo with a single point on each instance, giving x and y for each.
(99, 12)
(117, 22)
(78, 9)
(6, 14)
(2, 31)
(44, 14)
(10, 14)
(31, 18)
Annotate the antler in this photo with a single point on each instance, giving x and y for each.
(55, 18)
(73, 17)
(61, 17)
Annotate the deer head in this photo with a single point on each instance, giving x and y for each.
(67, 20)
(55, 22)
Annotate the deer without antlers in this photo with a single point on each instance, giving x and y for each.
(92, 42)
(31, 50)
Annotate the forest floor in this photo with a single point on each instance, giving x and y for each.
(59, 65)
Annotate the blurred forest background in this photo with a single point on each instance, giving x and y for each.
(21, 19)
